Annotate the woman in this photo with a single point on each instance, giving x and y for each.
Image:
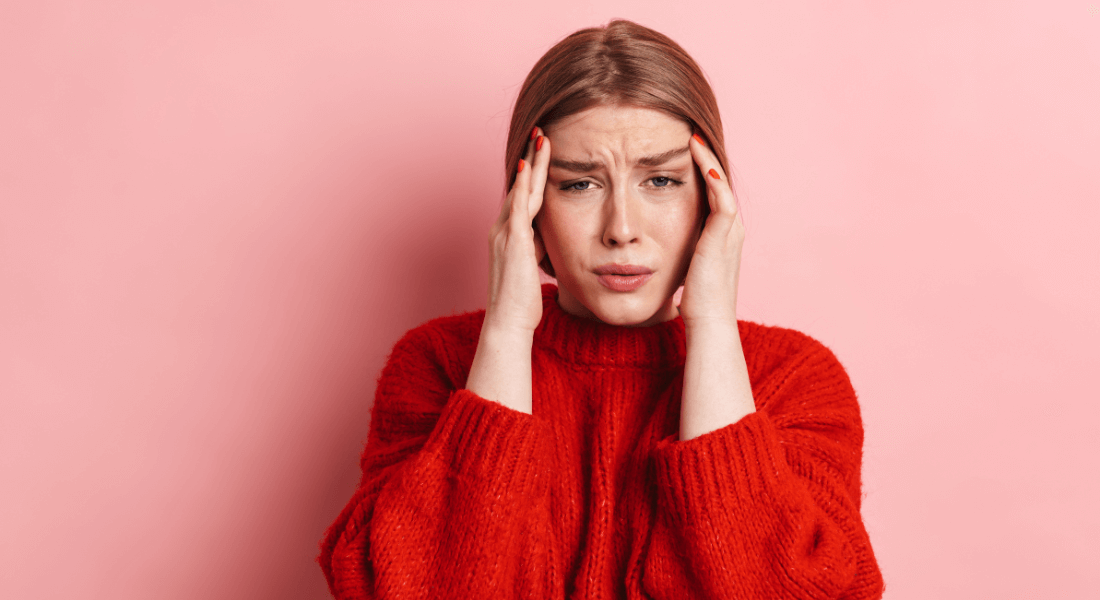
(595, 439)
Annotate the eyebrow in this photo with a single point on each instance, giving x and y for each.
(581, 166)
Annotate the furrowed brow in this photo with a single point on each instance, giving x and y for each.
(657, 160)
(576, 166)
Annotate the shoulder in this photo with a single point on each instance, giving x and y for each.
(441, 348)
(770, 345)
(800, 385)
(784, 361)
(450, 330)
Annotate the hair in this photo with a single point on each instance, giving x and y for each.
(622, 63)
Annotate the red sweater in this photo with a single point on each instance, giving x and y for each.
(593, 495)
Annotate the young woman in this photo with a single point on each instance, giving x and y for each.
(595, 440)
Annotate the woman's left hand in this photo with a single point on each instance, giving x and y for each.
(710, 289)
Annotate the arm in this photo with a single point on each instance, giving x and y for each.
(717, 391)
(501, 370)
(453, 500)
(450, 494)
(768, 507)
(755, 504)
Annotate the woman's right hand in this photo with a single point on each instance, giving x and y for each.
(501, 370)
(515, 248)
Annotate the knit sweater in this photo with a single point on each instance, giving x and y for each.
(593, 495)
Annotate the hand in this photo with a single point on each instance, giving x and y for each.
(717, 390)
(501, 369)
(710, 289)
(515, 248)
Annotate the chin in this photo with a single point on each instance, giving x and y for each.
(625, 310)
(645, 306)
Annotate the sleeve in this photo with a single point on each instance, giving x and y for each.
(451, 494)
(768, 507)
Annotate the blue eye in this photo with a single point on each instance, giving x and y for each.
(665, 182)
(579, 186)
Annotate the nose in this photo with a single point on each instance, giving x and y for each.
(621, 224)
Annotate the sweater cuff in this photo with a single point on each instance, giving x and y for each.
(710, 477)
(494, 446)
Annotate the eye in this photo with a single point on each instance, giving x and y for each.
(664, 182)
(578, 186)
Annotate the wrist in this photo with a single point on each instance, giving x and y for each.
(512, 319)
(710, 327)
(506, 333)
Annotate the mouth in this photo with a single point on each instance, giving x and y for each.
(623, 278)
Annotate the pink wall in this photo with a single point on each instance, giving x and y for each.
(216, 218)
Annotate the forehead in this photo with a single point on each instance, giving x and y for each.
(619, 129)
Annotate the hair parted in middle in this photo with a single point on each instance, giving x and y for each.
(622, 63)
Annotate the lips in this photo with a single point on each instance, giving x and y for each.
(623, 278)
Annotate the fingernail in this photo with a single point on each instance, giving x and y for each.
(712, 173)
(538, 143)
(698, 139)
(523, 164)
(534, 132)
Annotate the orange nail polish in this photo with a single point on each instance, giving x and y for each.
(538, 143)
(523, 164)
(714, 174)
(534, 132)
(698, 139)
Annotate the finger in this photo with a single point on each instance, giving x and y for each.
(506, 203)
(719, 192)
(539, 166)
(521, 189)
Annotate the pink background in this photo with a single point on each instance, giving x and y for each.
(216, 218)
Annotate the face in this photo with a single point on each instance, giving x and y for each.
(621, 213)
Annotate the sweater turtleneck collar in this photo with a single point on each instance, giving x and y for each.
(584, 341)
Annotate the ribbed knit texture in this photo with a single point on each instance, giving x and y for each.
(593, 496)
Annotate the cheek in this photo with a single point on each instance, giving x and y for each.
(683, 220)
(556, 231)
